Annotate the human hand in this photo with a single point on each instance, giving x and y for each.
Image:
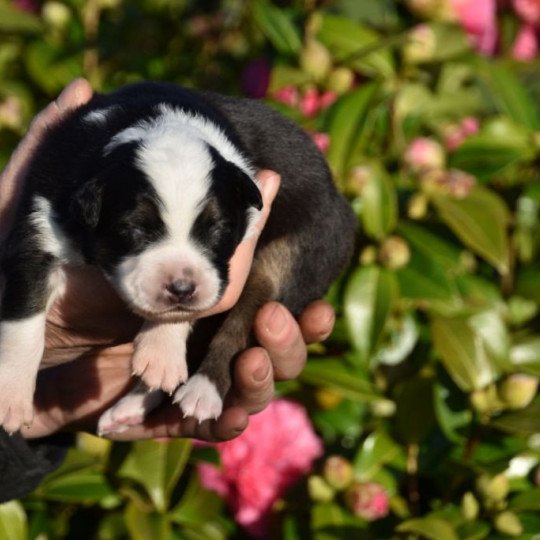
(91, 326)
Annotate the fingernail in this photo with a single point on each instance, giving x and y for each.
(277, 321)
(261, 373)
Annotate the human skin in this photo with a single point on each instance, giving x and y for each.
(89, 330)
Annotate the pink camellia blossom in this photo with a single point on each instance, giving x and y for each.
(478, 18)
(368, 500)
(287, 95)
(310, 103)
(321, 140)
(277, 448)
(528, 11)
(525, 46)
(424, 154)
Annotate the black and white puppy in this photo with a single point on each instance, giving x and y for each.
(154, 184)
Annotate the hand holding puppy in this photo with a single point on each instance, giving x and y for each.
(90, 322)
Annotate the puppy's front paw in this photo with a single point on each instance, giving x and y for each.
(16, 407)
(199, 398)
(159, 371)
(129, 411)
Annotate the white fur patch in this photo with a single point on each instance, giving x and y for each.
(160, 355)
(199, 398)
(51, 238)
(21, 348)
(99, 116)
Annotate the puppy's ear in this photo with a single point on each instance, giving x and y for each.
(85, 206)
(233, 179)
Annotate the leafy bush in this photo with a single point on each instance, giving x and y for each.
(426, 394)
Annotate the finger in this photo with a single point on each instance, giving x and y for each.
(168, 423)
(243, 256)
(75, 94)
(253, 381)
(278, 332)
(317, 321)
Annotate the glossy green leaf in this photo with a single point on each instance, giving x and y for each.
(528, 500)
(13, 525)
(157, 467)
(525, 355)
(453, 414)
(379, 212)
(415, 415)
(356, 45)
(477, 530)
(277, 24)
(335, 374)
(463, 352)
(508, 94)
(332, 522)
(369, 297)
(347, 119)
(524, 422)
(480, 220)
(147, 525)
(376, 451)
(84, 486)
(429, 527)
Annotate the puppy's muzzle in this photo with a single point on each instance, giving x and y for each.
(182, 291)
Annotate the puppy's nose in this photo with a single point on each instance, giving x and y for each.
(182, 289)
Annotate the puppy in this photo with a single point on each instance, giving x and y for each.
(154, 185)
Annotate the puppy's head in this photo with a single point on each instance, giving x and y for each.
(165, 214)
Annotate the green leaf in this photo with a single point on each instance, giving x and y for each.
(379, 212)
(429, 527)
(147, 525)
(477, 530)
(480, 220)
(415, 415)
(525, 355)
(157, 467)
(335, 374)
(347, 119)
(357, 46)
(85, 486)
(524, 422)
(453, 416)
(508, 94)
(332, 522)
(368, 300)
(13, 525)
(463, 352)
(376, 451)
(277, 24)
(528, 500)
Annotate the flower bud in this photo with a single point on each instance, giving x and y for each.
(340, 80)
(469, 507)
(315, 60)
(328, 399)
(56, 14)
(493, 489)
(420, 46)
(424, 154)
(367, 500)
(368, 256)
(359, 177)
(394, 253)
(417, 206)
(338, 472)
(382, 408)
(319, 490)
(518, 390)
(11, 112)
(310, 102)
(508, 523)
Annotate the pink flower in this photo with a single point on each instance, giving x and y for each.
(327, 99)
(456, 134)
(277, 448)
(321, 140)
(424, 154)
(310, 103)
(368, 500)
(478, 19)
(287, 95)
(528, 10)
(525, 46)
(470, 125)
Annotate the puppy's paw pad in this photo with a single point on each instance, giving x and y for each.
(200, 399)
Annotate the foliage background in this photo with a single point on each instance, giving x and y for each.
(428, 384)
